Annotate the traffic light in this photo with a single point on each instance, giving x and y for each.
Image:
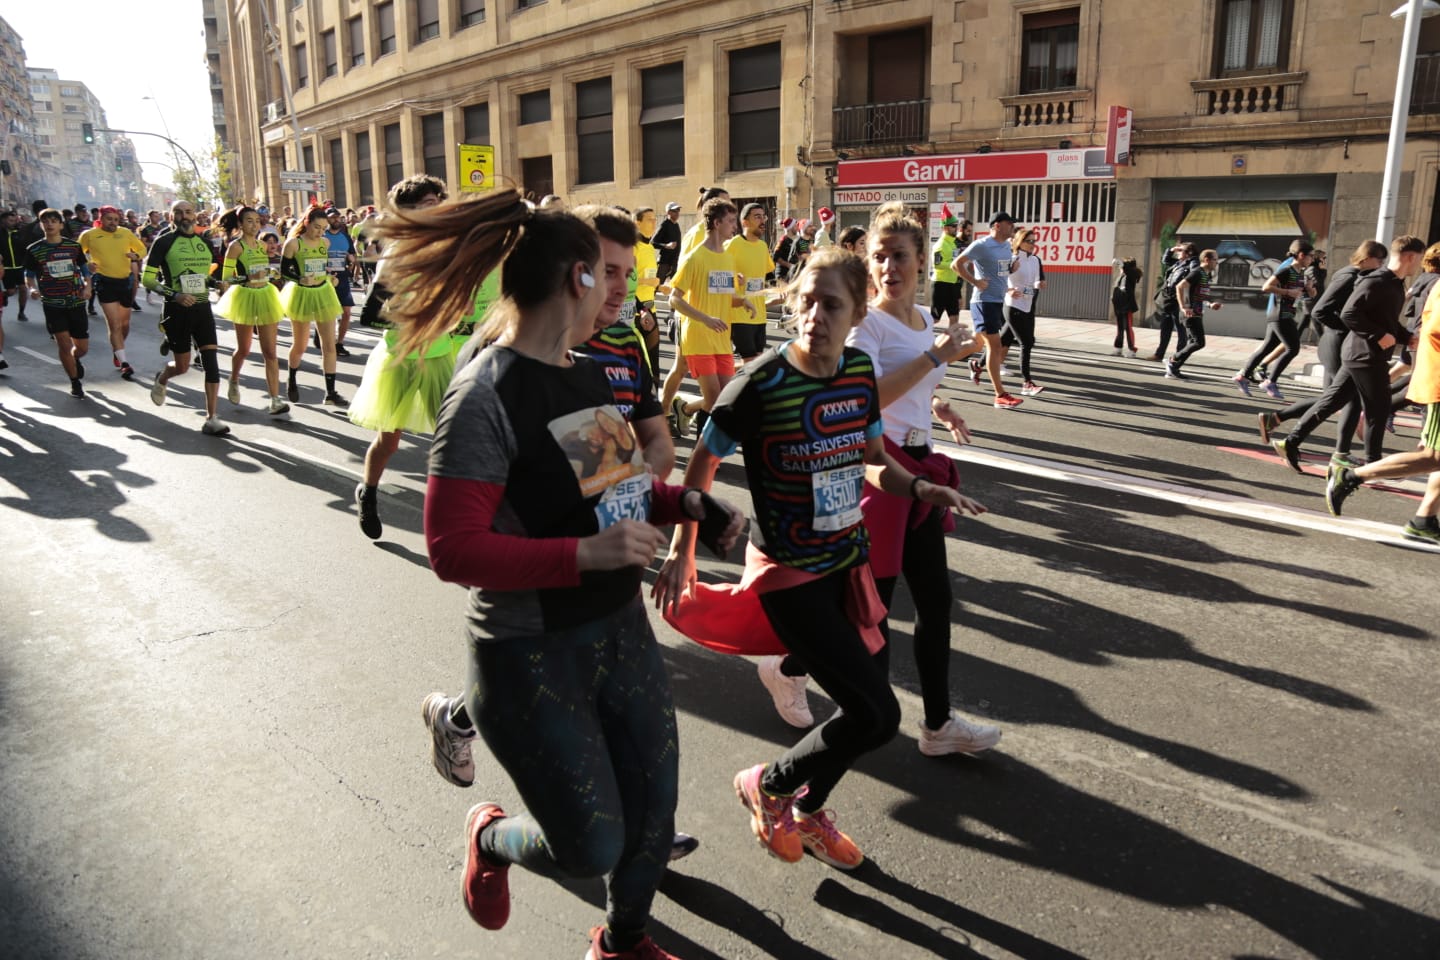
(87, 130)
(118, 164)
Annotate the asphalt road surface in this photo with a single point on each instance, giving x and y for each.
(1217, 701)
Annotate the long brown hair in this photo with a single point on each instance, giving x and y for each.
(437, 257)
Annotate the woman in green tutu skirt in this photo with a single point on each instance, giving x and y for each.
(251, 303)
(309, 297)
(404, 393)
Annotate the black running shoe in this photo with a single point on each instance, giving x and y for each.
(22, 318)
(76, 390)
(365, 503)
(127, 372)
(1290, 451)
(340, 350)
(1339, 484)
(1413, 530)
(335, 400)
(682, 846)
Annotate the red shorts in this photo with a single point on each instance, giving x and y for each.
(712, 364)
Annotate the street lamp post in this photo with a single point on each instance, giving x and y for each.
(1413, 12)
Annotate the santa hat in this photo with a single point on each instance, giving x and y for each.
(948, 219)
(826, 215)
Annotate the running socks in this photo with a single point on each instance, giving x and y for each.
(329, 383)
(120, 356)
(295, 372)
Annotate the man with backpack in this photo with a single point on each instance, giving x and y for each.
(1178, 263)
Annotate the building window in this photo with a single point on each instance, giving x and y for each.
(432, 143)
(69, 92)
(337, 171)
(355, 32)
(427, 20)
(477, 123)
(385, 27)
(307, 158)
(662, 121)
(537, 176)
(1049, 52)
(302, 67)
(594, 123)
(45, 106)
(471, 12)
(527, 4)
(71, 108)
(1252, 35)
(332, 56)
(394, 155)
(364, 176)
(755, 107)
(534, 107)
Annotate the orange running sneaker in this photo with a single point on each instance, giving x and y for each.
(818, 835)
(770, 817)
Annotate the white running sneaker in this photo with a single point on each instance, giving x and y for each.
(1115, 352)
(787, 692)
(449, 748)
(157, 391)
(278, 407)
(232, 393)
(958, 735)
(1131, 354)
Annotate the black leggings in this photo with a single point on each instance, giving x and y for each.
(927, 575)
(1020, 325)
(1277, 331)
(1371, 386)
(1124, 328)
(582, 722)
(1329, 352)
(1170, 320)
(810, 620)
(1195, 329)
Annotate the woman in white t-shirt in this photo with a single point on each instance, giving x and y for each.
(910, 358)
(1026, 277)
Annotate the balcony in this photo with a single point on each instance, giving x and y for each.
(1048, 109)
(866, 124)
(1425, 91)
(274, 111)
(1271, 93)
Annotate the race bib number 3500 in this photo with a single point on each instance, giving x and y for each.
(837, 496)
(627, 500)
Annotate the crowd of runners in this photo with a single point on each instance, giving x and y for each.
(524, 338)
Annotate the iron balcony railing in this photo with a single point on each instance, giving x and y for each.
(904, 121)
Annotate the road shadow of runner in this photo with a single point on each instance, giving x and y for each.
(52, 484)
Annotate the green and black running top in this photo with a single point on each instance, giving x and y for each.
(803, 440)
(59, 269)
(310, 264)
(179, 263)
(252, 267)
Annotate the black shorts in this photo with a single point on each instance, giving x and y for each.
(342, 289)
(13, 279)
(184, 324)
(664, 271)
(945, 300)
(73, 321)
(748, 338)
(114, 289)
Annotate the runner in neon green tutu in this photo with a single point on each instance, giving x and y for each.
(404, 393)
(251, 303)
(309, 298)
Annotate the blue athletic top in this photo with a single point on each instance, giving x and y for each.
(990, 259)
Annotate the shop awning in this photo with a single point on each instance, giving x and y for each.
(1243, 218)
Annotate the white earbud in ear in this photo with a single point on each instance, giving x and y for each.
(586, 280)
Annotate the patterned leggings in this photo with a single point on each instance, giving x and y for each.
(582, 722)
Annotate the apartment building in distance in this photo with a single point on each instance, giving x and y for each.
(1254, 121)
(22, 172)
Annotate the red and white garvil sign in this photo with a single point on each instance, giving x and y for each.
(1117, 136)
(1084, 163)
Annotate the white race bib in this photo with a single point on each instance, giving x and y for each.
(649, 274)
(314, 267)
(61, 268)
(259, 271)
(754, 284)
(193, 284)
(721, 281)
(627, 313)
(337, 262)
(627, 500)
(836, 493)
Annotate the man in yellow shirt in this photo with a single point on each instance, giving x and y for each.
(752, 261)
(693, 238)
(703, 291)
(115, 253)
(647, 272)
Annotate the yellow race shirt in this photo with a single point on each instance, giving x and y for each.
(706, 280)
(646, 263)
(692, 239)
(110, 251)
(752, 261)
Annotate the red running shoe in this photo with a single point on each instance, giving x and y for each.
(486, 888)
(644, 950)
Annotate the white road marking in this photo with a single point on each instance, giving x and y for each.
(1191, 497)
(39, 356)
